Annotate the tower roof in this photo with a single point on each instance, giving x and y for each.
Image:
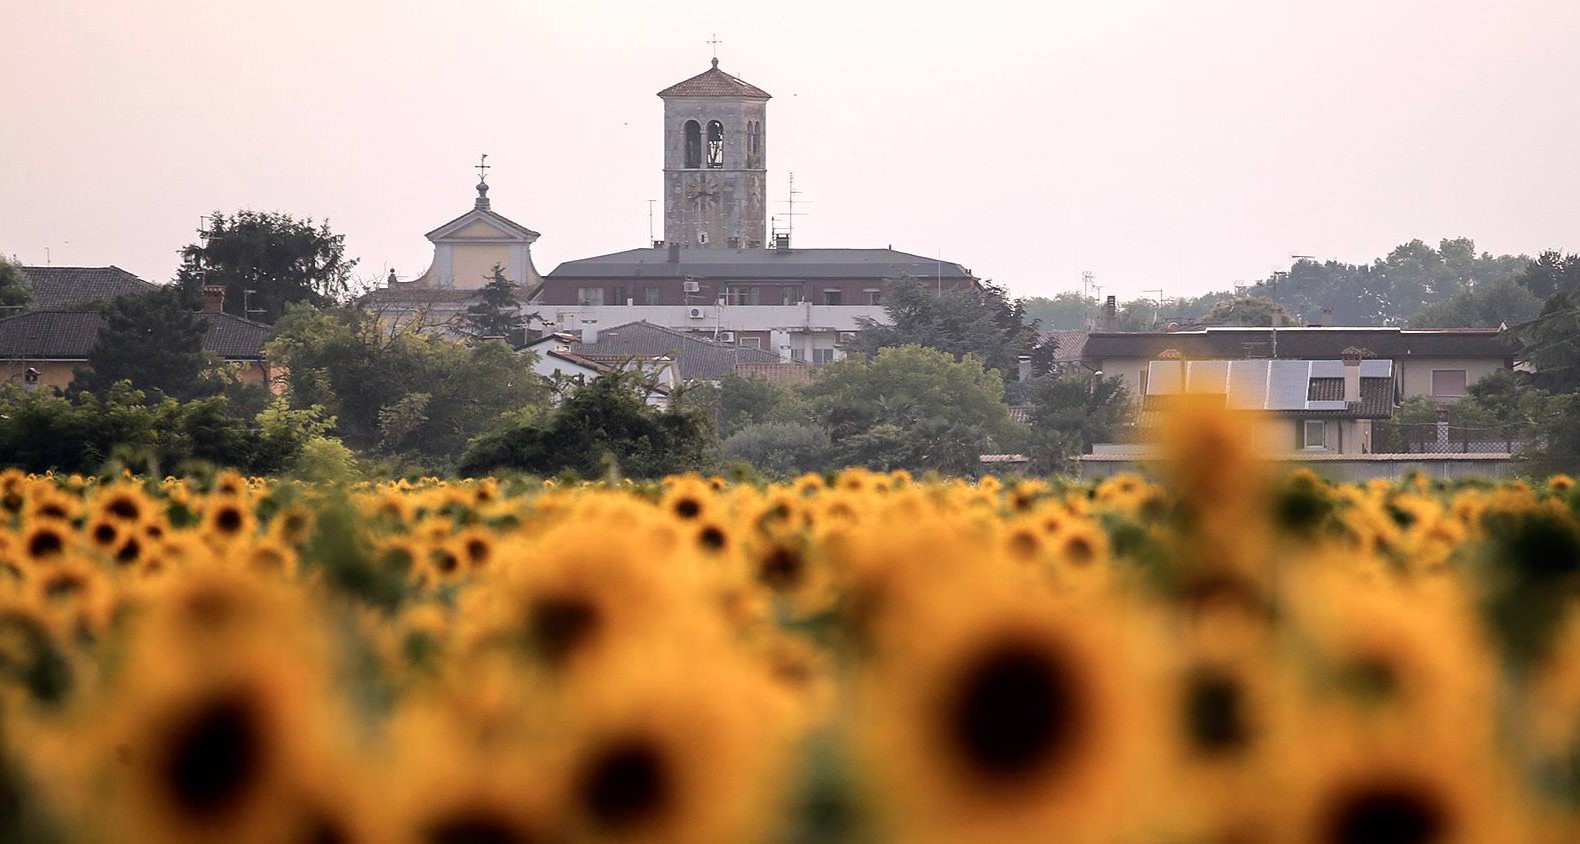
(715, 83)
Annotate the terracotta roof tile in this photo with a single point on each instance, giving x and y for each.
(66, 288)
(714, 83)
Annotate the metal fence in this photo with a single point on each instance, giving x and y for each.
(1442, 438)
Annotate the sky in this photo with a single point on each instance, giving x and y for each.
(1173, 146)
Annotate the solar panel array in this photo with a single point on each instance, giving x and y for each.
(1259, 384)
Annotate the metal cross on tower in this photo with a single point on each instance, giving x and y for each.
(483, 168)
(715, 42)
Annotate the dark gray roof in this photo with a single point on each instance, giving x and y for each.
(1304, 343)
(699, 359)
(793, 264)
(1068, 345)
(69, 335)
(63, 288)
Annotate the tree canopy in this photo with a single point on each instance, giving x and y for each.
(397, 389)
(15, 292)
(151, 340)
(983, 322)
(266, 261)
(497, 312)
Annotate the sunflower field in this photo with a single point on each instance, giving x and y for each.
(1219, 655)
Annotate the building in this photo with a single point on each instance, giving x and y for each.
(555, 358)
(465, 251)
(76, 288)
(718, 271)
(1437, 363)
(694, 358)
(44, 348)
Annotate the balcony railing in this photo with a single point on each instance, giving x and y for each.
(1441, 438)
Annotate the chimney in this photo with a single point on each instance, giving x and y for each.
(589, 331)
(1352, 374)
(782, 243)
(1111, 313)
(674, 253)
(1327, 317)
(392, 280)
(1023, 367)
(658, 244)
(213, 298)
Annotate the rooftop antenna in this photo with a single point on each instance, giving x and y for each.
(1159, 317)
(650, 220)
(791, 213)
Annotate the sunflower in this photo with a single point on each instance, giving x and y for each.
(227, 520)
(688, 498)
(46, 540)
(1014, 722)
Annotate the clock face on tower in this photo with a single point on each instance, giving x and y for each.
(703, 192)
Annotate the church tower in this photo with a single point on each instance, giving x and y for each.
(715, 162)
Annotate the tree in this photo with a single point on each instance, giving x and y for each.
(15, 292)
(1247, 310)
(1551, 274)
(754, 400)
(498, 312)
(150, 340)
(1552, 345)
(983, 322)
(400, 390)
(266, 261)
(1070, 413)
(602, 426)
(1066, 311)
(911, 407)
(781, 449)
(1502, 302)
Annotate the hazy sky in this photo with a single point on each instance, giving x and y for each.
(1174, 145)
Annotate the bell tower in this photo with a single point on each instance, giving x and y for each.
(715, 162)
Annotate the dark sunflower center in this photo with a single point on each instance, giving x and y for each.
(1215, 717)
(45, 543)
(626, 784)
(477, 550)
(104, 534)
(1079, 549)
(475, 828)
(782, 568)
(1024, 544)
(712, 538)
(228, 520)
(560, 625)
(1387, 815)
(129, 551)
(1013, 713)
(687, 508)
(215, 758)
(123, 508)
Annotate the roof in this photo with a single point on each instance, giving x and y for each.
(499, 221)
(70, 335)
(1311, 343)
(699, 359)
(1069, 346)
(742, 264)
(715, 83)
(1299, 387)
(63, 288)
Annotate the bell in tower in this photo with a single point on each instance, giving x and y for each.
(715, 161)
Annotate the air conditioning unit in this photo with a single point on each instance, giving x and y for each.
(726, 337)
(695, 313)
(691, 286)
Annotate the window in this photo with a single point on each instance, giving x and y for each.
(752, 342)
(589, 295)
(874, 296)
(1448, 383)
(754, 145)
(1314, 433)
(693, 137)
(833, 297)
(822, 356)
(651, 296)
(789, 295)
(715, 144)
(740, 295)
(798, 355)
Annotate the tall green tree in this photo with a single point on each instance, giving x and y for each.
(399, 391)
(497, 311)
(911, 407)
(15, 292)
(983, 322)
(152, 340)
(1070, 413)
(1504, 301)
(1247, 310)
(275, 256)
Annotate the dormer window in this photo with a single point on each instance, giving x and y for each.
(715, 144)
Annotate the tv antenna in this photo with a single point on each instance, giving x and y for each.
(790, 213)
(650, 220)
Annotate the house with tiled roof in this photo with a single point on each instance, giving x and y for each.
(73, 288)
(695, 358)
(44, 348)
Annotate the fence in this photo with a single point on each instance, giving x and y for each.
(1442, 438)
